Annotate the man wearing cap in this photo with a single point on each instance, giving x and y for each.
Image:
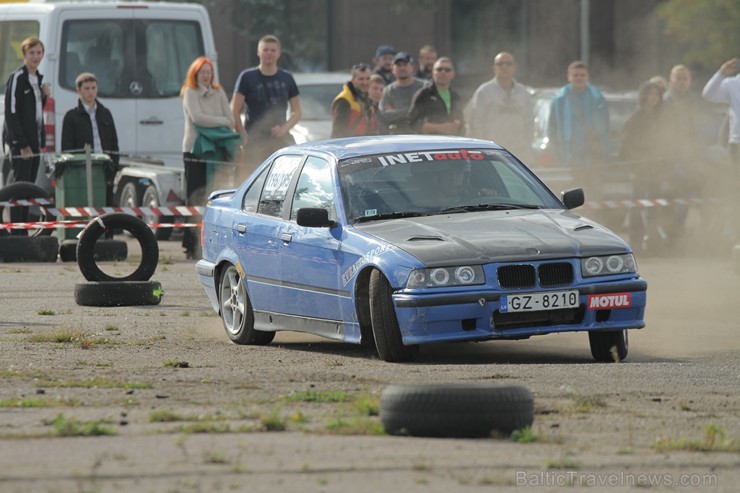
(383, 62)
(397, 96)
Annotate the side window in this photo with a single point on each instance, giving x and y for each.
(315, 188)
(12, 34)
(252, 197)
(276, 185)
(95, 46)
(516, 188)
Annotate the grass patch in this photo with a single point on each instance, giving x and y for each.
(320, 396)
(561, 464)
(45, 311)
(66, 335)
(204, 427)
(714, 441)
(165, 416)
(101, 383)
(354, 425)
(367, 405)
(24, 403)
(525, 435)
(273, 421)
(176, 364)
(71, 427)
(586, 403)
(20, 330)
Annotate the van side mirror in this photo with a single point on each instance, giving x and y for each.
(573, 198)
(314, 217)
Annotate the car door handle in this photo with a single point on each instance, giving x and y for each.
(241, 228)
(152, 120)
(286, 237)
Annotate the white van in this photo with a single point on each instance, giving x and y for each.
(139, 52)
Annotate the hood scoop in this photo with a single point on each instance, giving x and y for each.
(581, 227)
(425, 238)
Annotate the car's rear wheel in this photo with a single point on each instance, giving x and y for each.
(609, 346)
(236, 311)
(386, 331)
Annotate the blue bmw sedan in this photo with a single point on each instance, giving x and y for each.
(398, 241)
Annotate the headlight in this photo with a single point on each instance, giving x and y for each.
(438, 277)
(608, 265)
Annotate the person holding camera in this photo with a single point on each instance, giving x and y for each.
(268, 92)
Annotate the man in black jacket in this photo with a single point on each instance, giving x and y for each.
(91, 123)
(436, 108)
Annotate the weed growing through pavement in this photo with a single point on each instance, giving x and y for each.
(173, 363)
(67, 335)
(367, 405)
(524, 435)
(321, 396)
(24, 403)
(20, 330)
(273, 421)
(100, 383)
(45, 311)
(354, 425)
(69, 427)
(215, 457)
(714, 441)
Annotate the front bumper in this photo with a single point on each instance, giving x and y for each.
(426, 318)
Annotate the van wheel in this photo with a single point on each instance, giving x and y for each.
(128, 197)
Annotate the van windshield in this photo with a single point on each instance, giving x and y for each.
(131, 58)
(12, 35)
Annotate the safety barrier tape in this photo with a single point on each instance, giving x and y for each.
(81, 223)
(26, 202)
(182, 210)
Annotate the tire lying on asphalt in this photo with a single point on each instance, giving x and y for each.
(116, 220)
(455, 410)
(28, 248)
(120, 293)
(104, 250)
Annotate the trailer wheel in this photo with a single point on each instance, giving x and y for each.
(151, 199)
(121, 293)
(116, 220)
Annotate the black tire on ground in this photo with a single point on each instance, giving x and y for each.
(455, 410)
(150, 198)
(105, 250)
(602, 343)
(28, 248)
(386, 331)
(123, 293)
(116, 220)
(236, 311)
(24, 190)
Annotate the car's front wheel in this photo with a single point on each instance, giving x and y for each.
(609, 346)
(387, 333)
(236, 311)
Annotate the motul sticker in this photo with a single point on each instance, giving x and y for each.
(607, 301)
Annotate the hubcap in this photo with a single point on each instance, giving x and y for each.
(233, 301)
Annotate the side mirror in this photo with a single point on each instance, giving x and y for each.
(314, 217)
(573, 198)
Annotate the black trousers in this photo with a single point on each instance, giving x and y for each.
(195, 188)
(22, 170)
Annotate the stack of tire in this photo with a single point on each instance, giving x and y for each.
(135, 289)
(35, 245)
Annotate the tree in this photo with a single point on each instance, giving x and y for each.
(707, 32)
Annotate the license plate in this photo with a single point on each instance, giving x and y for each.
(533, 302)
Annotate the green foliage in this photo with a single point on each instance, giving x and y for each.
(706, 31)
(321, 396)
(525, 435)
(71, 427)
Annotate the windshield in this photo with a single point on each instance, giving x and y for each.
(421, 183)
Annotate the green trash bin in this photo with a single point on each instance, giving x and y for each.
(70, 171)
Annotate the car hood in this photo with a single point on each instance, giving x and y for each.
(496, 236)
